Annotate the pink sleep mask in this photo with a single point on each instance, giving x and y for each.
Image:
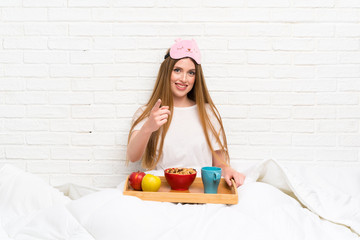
(185, 48)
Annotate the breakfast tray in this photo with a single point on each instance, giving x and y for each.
(195, 194)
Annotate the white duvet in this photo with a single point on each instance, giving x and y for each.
(274, 203)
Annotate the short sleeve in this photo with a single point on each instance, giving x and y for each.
(217, 127)
(136, 116)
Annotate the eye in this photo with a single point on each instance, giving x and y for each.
(192, 73)
(177, 70)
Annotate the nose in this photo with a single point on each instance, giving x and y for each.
(183, 77)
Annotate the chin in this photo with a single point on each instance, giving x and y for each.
(179, 94)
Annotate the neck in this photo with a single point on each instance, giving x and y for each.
(183, 102)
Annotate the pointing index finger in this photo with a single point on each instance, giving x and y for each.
(157, 104)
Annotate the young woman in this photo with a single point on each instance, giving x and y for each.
(180, 125)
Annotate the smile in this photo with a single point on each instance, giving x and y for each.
(180, 86)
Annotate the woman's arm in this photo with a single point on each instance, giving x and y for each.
(139, 139)
(137, 144)
(227, 172)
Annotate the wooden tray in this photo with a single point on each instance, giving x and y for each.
(195, 194)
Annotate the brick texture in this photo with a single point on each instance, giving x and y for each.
(285, 76)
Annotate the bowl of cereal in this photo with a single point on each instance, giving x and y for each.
(180, 179)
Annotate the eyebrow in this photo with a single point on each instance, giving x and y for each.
(182, 68)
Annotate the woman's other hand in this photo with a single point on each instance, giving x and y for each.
(226, 171)
(229, 173)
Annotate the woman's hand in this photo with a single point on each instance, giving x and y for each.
(228, 173)
(140, 138)
(158, 117)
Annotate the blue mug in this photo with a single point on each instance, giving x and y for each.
(211, 178)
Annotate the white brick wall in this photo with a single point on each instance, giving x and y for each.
(285, 75)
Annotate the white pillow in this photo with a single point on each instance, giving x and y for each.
(23, 193)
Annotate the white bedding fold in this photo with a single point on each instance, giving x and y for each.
(264, 211)
(50, 223)
(321, 199)
(273, 203)
(31, 209)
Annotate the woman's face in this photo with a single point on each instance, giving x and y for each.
(182, 78)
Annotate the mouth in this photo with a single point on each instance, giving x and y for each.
(180, 86)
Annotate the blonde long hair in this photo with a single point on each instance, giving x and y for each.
(199, 94)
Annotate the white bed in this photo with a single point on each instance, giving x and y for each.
(276, 202)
